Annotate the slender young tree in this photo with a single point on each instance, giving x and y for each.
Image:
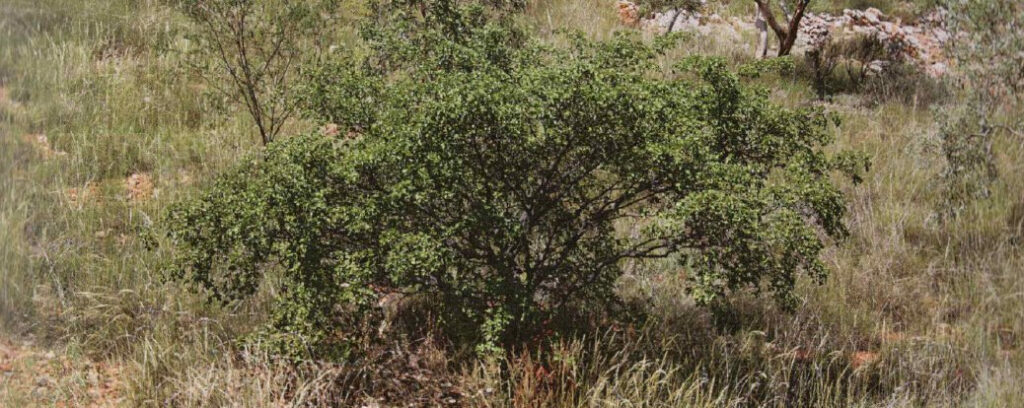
(251, 51)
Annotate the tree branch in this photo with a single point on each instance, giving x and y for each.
(785, 11)
(794, 21)
(769, 16)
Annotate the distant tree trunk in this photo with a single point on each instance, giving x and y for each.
(761, 51)
(786, 34)
(672, 24)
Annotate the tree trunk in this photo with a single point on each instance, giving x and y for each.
(672, 24)
(786, 34)
(761, 51)
(786, 45)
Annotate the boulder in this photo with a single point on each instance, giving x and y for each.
(629, 13)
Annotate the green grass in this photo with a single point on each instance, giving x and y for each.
(940, 302)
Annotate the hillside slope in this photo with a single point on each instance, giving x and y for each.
(102, 128)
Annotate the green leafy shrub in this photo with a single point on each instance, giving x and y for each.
(987, 46)
(495, 179)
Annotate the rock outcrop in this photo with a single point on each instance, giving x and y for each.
(692, 21)
(920, 44)
(629, 13)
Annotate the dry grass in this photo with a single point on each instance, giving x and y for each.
(917, 311)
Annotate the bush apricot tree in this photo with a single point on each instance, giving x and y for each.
(494, 177)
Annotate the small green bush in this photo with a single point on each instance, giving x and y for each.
(494, 178)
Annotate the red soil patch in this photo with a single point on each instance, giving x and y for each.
(32, 376)
(139, 186)
(86, 194)
(863, 358)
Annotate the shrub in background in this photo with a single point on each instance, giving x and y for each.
(906, 84)
(251, 51)
(988, 47)
(853, 54)
(862, 64)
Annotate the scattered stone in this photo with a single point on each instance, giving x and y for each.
(42, 376)
(668, 21)
(692, 21)
(920, 44)
(672, 21)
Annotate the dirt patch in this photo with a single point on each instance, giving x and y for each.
(140, 187)
(330, 130)
(31, 376)
(863, 358)
(79, 196)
